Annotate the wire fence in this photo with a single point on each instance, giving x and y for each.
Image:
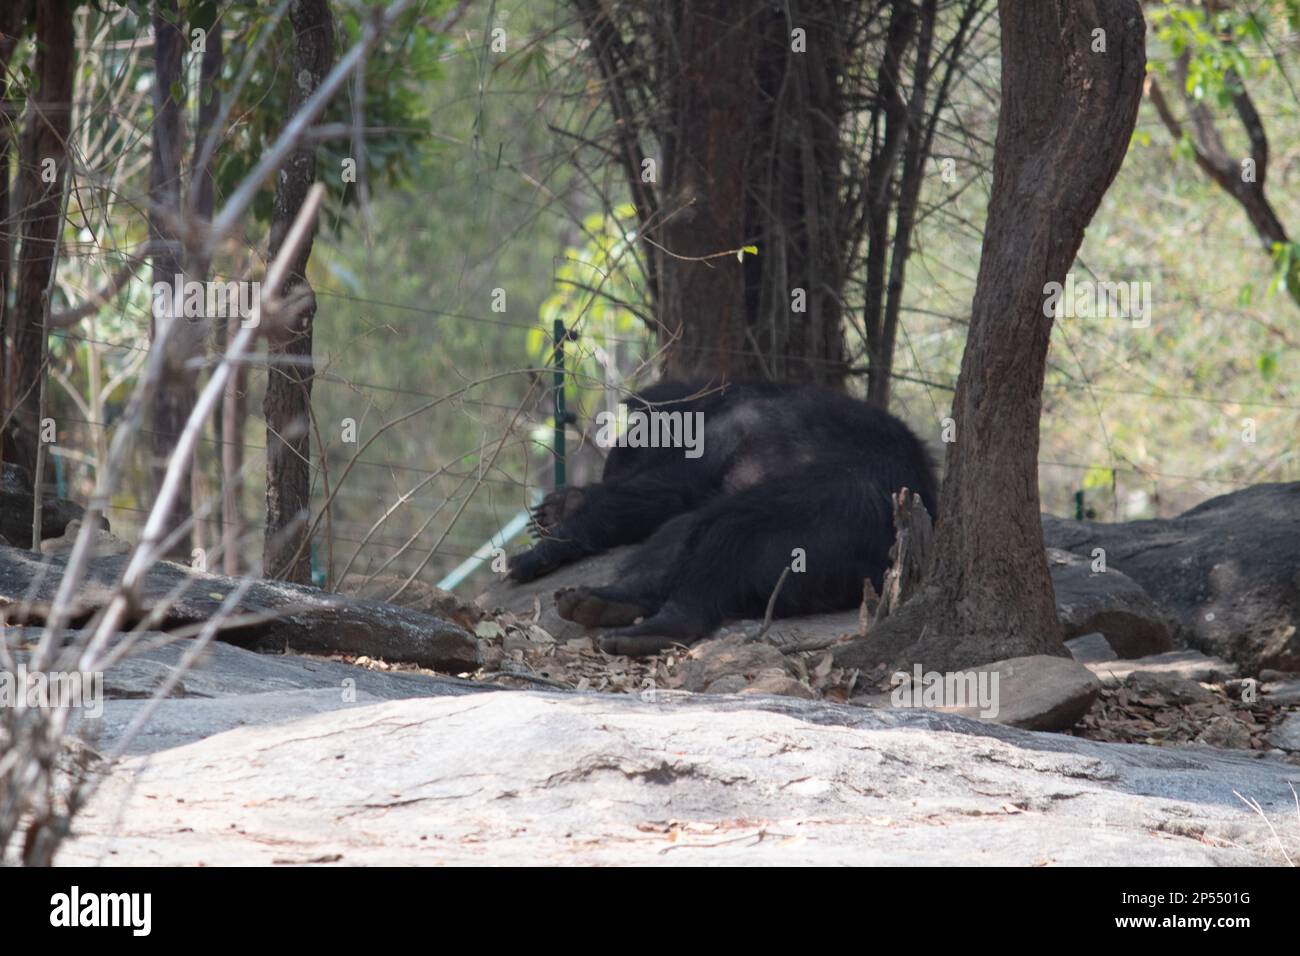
(471, 503)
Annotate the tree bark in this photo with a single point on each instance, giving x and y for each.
(202, 201)
(1066, 117)
(915, 149)
(887, 146)
(287, 406)
(176, 391)
(12, 18)
(749, 136)
(43, 150)
(704, 181)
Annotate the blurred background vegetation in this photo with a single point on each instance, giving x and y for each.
(481, 228)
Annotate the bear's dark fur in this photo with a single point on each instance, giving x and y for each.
(783, 467)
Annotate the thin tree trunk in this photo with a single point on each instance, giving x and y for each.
(203, 195)
(887, 146)
(285, 551)
(234, 414)
(12, 18)
(176, 391)
(42, 168)
(909, 195)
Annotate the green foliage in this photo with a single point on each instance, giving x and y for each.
(598, 291)
(1218, 43)
(395, 111)
(1221, 48)
(1211, 44)
(1286, 260)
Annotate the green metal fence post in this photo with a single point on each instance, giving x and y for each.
(561, 413)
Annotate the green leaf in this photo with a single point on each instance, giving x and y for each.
(1267, 363)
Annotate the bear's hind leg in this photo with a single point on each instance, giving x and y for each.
(603, 607)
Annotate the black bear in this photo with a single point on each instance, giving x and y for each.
(731, 485)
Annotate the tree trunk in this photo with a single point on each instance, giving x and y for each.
(234, 416)
(1066, 117)
(287, 406)
(915, 149)
(39, 196)
(201, 203)
(891, 117)
(702, 300)
(176, 391)
(12, 18)
(749, 138)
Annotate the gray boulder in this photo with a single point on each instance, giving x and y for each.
(1227, 571)
(1039, 692)
(600, 569)
(1106, 602)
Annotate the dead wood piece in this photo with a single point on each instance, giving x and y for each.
(293, 617)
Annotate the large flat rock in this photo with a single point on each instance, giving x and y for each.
(540, 778)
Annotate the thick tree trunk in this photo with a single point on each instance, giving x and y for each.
(702, 303)
(39, 201)
(287, 406)
(795, 286)
(1066, 117)
(749, 133)
(176, 391)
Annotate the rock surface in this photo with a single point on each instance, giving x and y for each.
(1284, 693)
(1187, 664)
(1228, 570)
(1286, 735)
(1106, 602)
(1090, 649)
(540, 778)
(733, 665)
(1038, 692)
(102, 544)
(231, 687)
